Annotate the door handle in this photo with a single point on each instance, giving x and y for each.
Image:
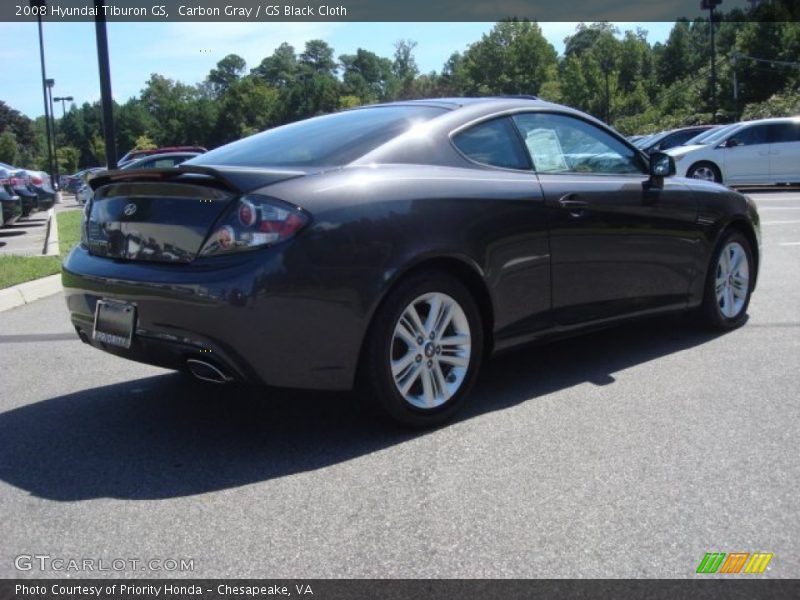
(573, 204)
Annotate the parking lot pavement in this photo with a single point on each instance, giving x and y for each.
(26, 237)
(626, 453)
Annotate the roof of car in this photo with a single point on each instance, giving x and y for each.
(454, 102)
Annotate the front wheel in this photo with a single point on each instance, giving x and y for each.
(705, 171)
(424, 350)
(729, 283)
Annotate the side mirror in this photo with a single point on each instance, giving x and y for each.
(661, 165)
(732, 143)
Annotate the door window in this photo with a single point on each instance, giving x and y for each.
(750, 136)
(564, 144)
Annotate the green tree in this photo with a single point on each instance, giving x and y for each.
(166, 101)
(9, 148)
(249, 105)
(513, 58)
(98, 148)
(228, 70)
(366, 76)
(280, 69)
(404, 68)
(68, 157)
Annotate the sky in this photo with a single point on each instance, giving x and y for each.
(188, 51)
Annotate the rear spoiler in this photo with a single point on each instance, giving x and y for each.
(237, 179)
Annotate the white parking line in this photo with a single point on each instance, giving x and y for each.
(778, 222)
(789, 244)
(760, 208)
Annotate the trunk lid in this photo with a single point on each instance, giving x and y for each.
(165, 215)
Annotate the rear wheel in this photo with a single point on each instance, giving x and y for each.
(706, 171)
(424, 350)
(728, 283)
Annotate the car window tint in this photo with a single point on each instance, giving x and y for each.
(749, 136)
(563, 144)
(331, 140)
(164, 163)
(676, 139)
(493, 143)
(786, 132)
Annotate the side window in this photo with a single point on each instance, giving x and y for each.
(564, 144)
(676, 139)
(749, 136)
(493, 143)
(786, 132)
(164, 163)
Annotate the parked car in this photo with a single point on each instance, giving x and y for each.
(671, 138)
(11, 203)
(765, 151)
(394, 246)
(134, 154)
(21, 186)
(72, 182)
(39, 183)
(708, 137)
(160, 161)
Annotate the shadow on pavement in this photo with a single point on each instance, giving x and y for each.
(164, 437)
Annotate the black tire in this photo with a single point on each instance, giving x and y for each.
(710, 313)
(705, 165)
(377, 382)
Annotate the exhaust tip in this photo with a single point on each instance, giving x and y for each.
(205, 371)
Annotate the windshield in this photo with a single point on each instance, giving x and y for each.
(712, 135)
(330, 140)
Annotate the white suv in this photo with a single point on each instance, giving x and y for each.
(766, 151)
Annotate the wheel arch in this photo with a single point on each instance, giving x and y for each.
(707, 161)
(464, 270)
(741, 225)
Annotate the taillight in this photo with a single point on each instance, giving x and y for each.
(5, 182)
(87, 212)
(36, 180)
(255, 222)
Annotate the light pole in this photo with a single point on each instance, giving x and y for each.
(54, 174)
(709, 6)
(63, 99)
(105, 83)
(41, 4)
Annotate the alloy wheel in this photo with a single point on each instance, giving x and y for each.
(732, 280)
(430, 350)
(705, 173)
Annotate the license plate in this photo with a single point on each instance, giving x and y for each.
(113, 323)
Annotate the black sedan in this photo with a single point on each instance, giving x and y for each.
(394, 247)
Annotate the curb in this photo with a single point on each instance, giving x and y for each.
(30, 291)
(51, 241)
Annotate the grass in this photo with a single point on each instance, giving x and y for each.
(18, 269)
(69, 230)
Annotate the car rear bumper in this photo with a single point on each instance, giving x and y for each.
(245, 314)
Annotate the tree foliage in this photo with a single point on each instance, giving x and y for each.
(615, 75)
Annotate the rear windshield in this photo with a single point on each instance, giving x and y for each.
(331, 140)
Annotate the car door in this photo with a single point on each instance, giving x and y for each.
(784, 152)
(619, 245)
(746, 155)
